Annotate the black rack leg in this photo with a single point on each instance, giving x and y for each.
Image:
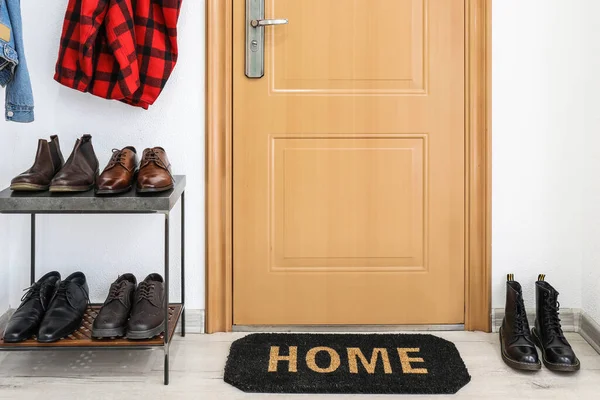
(183, 263)
(32, 271)
(166, 328)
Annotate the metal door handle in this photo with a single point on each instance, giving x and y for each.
(266, 22)
(255, 37)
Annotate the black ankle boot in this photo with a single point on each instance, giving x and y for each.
(518, 349)
(547, 333)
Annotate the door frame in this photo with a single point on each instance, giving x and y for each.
(218, 179)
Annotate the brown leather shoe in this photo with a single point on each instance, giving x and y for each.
(80, 171)
(48, 161)
(155, 172)
(120, 172)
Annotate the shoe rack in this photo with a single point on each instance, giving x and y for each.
(34, 203)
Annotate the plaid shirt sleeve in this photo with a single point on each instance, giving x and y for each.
(119, 49)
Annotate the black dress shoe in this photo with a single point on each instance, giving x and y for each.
(516, 344)
(25, 322)
(66, 310)
(112, 318)
(557, 353)
(148, 314)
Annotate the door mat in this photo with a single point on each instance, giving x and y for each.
(348, 363)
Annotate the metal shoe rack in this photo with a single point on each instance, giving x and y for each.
(88, 203)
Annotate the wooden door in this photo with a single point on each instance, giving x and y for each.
(349, 165)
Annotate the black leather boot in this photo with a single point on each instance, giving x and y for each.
(518, 349)
(25, 322)
(547, 333)
(66, 310)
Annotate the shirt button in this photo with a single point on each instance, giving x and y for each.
(10, 114)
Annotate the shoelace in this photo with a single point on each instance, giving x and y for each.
(118, 156)
(32, 291)
(61, 293)
(552, 318)
(117, 291)
(521, 325)
(152, 156)
(145, 291)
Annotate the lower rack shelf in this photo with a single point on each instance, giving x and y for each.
(82, 337)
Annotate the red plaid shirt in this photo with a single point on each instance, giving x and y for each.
(119, 49)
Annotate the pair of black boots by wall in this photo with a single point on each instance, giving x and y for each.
(518, 343)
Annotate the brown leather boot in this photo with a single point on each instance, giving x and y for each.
(155, 172)
(80, 171)
(48, 161)
(120, 172)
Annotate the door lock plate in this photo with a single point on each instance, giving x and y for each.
(255, 37)
(255, 40)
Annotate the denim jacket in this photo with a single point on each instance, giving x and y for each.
(13, 67)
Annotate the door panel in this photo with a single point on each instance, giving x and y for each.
(372, 187)
(348, 193)
(329, 50)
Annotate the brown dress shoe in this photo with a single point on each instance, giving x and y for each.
(147, 313)
(120, 172)
(80, 171)
(155, 172)
(48, 161)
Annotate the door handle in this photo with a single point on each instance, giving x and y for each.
(267, 22)
(255, 37)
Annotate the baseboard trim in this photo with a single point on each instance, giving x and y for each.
(194, 321)
(570, 318)
(345, 328)
(573, 320)
(590, 331)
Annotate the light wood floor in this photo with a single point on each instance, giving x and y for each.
(197, 373)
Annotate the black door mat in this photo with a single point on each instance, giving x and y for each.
(347, 363)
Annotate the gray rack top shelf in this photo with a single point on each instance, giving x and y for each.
(87, 202)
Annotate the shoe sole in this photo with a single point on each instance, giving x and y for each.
(28, 187)
(112, 191)
(516, 364)
(149, 334)
(553, 366)
(108, 333)
(155, 190)
(70, 189)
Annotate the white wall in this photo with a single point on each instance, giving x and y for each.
(591, 207)
(539, 84)
(540, 130)
(591, 170)
(105, 246)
